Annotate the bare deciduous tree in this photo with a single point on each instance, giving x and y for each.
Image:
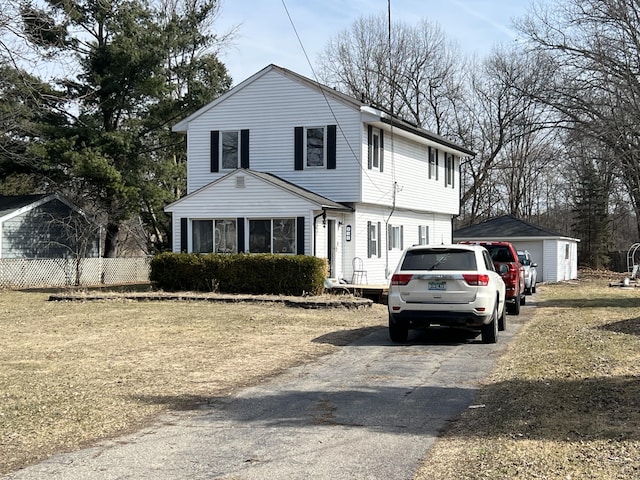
(595, 45)
(413, 72)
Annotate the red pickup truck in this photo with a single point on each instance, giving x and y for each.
(504, 254)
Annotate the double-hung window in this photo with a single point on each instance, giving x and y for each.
(316, 147)
(433, 163)
(449, 167)
(375, 145)
(209, 236)
(229, 150)
(272, 235)
(373, 239)
(394, 234)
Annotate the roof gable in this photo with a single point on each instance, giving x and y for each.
(11, 204)
(506, 226)
(183, 124)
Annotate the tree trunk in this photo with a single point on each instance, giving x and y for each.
(111, 240)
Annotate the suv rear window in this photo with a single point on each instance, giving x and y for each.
(451, 259)
(499, 253)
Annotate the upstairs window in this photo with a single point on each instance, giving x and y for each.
(375, 143)
(315, 151)
(449, 168)
(433, 163)
(315, 147)
(229, 151)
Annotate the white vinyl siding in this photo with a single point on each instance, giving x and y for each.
(407, 170)
(270, 108)
(379, 269)
(254, 200)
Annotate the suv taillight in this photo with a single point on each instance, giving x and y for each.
(477, 279)
(401, 278)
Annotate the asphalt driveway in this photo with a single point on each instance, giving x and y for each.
(372, 410)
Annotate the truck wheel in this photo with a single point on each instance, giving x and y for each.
(397, 333)
(489, 331)
(502, 320)
(514, 308)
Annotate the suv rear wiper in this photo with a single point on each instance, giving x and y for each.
(432, 267)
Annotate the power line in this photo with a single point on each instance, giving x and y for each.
(315, 77)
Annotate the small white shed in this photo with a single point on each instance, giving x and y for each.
(556, 254)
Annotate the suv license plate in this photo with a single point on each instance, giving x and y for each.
(437, 285)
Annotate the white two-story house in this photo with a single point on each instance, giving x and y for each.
(282, 164)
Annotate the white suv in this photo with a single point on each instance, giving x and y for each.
(450, 285)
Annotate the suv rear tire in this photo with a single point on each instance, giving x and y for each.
(397, 333)
(489, 331)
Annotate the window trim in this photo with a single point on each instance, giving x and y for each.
(395, 237)
(449, 170)
(306, 147)
(238, 155)
(213, 222)
(433, 162)
(294, 238)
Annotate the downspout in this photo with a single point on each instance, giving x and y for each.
(324, 217)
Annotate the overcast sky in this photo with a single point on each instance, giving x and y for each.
(265, 34)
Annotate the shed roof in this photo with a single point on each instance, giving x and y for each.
(506, 226)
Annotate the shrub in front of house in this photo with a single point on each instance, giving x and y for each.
(239, 273)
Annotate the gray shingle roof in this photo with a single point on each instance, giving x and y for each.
(505, 226)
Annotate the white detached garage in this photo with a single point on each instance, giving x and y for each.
(555, 253)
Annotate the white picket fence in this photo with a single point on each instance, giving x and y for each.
(62, 272)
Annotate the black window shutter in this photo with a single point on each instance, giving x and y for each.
(382, 150)
(437, 165)
(300, 235)
(379, 240)
(401, 237)
(369, 252)
(240, 233)
(183, 235)
(244, 148)
(370, 146)
(299, 147)
(215, 151)
(389, 236)
(331, 147)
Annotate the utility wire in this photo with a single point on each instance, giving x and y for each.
(315, 77)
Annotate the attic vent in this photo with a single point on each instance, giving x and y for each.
(239, 182)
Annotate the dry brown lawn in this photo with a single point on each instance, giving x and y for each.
(564, 402)
(75, 372)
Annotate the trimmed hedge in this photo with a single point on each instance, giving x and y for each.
(239, 273)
